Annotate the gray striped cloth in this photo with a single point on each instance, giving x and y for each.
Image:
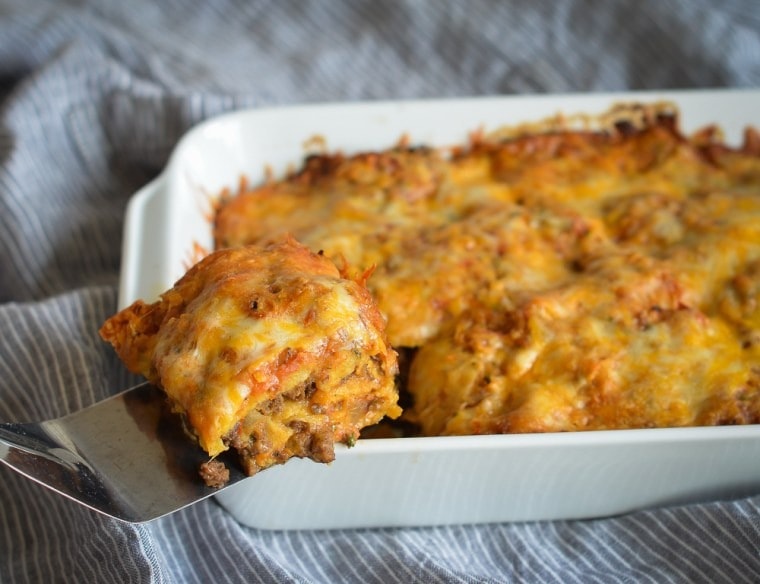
(93, 98)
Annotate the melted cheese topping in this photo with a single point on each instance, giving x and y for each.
(560, 281)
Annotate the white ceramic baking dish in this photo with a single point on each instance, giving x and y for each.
(426, 481)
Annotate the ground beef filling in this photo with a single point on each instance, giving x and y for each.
(215, 474)
(291, 424)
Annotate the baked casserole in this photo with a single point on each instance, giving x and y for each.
(578, 274)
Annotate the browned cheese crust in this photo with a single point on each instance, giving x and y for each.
(548, 280)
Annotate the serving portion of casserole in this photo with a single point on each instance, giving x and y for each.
(266, 349)
(582, 273)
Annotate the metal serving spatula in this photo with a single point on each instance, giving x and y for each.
(127, 457)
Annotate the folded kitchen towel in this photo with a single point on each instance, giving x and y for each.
(94, 96)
